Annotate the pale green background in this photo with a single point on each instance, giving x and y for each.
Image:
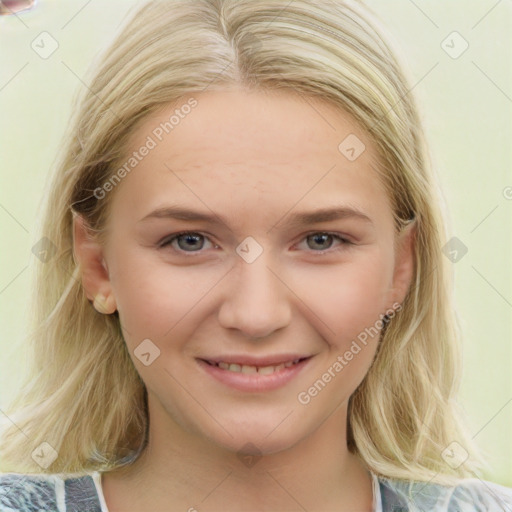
(466, 104)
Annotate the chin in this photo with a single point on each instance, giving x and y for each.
(259, 438)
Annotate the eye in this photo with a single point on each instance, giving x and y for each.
(192, 241)
(324, 241)
(188, 241)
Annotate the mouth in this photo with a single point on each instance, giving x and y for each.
(254, 375)
(249, 369)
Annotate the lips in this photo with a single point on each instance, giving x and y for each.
(255, 375)
(261, 369)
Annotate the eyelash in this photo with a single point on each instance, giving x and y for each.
(169, 239)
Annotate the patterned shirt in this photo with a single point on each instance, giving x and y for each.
(59, 493)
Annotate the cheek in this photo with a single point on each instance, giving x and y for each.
(350, 297)
(153, 298)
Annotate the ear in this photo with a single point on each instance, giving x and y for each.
(404, 262)
(88, 253)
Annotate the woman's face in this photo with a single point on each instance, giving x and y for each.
(259, 323)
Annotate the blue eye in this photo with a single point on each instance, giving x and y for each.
(193, 242)
(188, 241)
(324, 241)
(320, 241)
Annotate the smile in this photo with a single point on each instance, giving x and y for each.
(250, 369)
(254, 375)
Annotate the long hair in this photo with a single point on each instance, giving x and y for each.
(84, 396)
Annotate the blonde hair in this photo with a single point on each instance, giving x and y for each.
(85, 397)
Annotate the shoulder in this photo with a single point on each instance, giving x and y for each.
(51, 493)
(27, 493)
(482, 495)
(470, 495)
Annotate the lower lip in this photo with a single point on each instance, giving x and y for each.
(253, 382)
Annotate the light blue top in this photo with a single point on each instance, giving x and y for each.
(54, 493)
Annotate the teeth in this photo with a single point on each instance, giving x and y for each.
(266, 370)
(262, 370)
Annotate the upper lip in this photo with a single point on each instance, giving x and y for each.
(244, 359)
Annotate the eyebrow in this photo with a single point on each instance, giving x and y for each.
(296, 220)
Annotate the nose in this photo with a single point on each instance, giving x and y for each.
(256, 302)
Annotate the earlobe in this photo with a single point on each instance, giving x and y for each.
(404, 261)
(89, 256)
(103, 304)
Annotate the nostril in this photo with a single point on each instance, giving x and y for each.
(15, 6)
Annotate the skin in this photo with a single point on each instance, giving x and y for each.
(253, 159)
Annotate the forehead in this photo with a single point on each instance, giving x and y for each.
(234, 145)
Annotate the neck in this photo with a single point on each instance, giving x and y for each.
(182, 471)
